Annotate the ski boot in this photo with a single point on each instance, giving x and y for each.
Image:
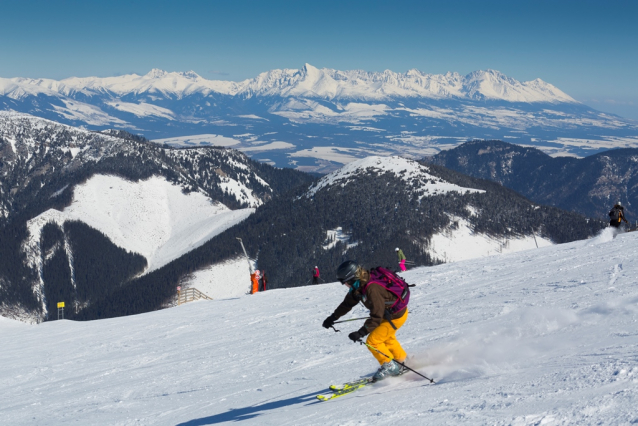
(389, 368)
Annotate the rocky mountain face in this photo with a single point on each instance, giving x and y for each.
(319, 119)
(589, 186)
(42, 163)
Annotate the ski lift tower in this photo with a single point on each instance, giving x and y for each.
(250, 265)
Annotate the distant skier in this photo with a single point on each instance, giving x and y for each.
(315, 275)
(617, 215)
(254, 278)
(387, 313)
(401, 258)
(264, 280)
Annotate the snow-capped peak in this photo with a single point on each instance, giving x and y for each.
(326, 83)
(409, 171)
(156, 73)
(308, 69)
(492, 84)
(309, 81)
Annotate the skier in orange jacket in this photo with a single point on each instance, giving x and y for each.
(254, 278)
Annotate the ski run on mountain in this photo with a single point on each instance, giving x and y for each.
(544, 336)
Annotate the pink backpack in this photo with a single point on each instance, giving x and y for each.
(394, 284)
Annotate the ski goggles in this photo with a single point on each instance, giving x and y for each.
(348, 281)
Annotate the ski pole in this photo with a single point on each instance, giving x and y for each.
(352, 319)
(391, 359)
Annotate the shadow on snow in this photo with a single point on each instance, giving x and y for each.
(247, 413)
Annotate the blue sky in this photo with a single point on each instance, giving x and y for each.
(589, 49)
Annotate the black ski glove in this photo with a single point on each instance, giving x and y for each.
(358, 335)
(329, 322)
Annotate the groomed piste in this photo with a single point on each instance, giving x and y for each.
(544, 336)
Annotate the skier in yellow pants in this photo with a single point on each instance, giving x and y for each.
(384, 340)
(382, 325)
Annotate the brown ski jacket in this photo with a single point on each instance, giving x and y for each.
(376, 298)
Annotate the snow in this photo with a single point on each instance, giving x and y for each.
(13, 145)
(308, 81)
(268, 147)
(143, 109)
(560, 147)
(540, 337)
(74, 151)
(310, 111)
(329, 153)
(155, 82)
(239, 191)
(333, 236)
(223, 280)
(153, 218)
(459, 244)
(89, 114)
(197, 140)
(326, 83)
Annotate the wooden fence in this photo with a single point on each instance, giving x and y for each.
(189, 295)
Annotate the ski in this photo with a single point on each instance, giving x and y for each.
(354, 383)
(341, 392)
(364, 381)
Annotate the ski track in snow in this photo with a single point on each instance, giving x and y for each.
(545, 336)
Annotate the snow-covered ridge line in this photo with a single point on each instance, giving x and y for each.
(408, 170)
(307, 82)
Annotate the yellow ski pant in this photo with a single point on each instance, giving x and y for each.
(383, 339)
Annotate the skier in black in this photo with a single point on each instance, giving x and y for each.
(617, 215)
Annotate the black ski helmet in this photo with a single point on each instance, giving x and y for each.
(347, 271)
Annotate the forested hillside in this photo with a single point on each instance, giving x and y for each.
(376, 212)
(43, 162)
(589, 186)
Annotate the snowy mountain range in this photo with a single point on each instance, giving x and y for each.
(318, 119)
(307, 82)
(541, 337)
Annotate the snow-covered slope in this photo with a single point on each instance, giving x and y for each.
(153, 218)
(545, 336)
(414, 175)
(223, 280)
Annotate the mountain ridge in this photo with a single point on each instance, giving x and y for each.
(589, 186)
(308, 81)
(53, 174)
(316, 120)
